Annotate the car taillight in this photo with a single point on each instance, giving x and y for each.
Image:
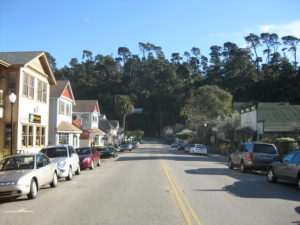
(250, 156)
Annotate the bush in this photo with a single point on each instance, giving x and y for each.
(286, 145)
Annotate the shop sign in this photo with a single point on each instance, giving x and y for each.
(33, 118)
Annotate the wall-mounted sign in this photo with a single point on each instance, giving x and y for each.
(34, 118)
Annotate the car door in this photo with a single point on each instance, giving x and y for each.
(48, 168)
(42, 170)
(282, 170)
(293, 167)
(74, 158)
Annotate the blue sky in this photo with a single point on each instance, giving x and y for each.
(66, 27)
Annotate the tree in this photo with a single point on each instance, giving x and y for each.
(124, 106)
(124, 52)
(207, 104)
(52, 61)
(254, 41)
(292, 42)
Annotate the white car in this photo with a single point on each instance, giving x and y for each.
(198, 149)
(25, 175)
(65, 158)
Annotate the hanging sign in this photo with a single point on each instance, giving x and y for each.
(33, 118)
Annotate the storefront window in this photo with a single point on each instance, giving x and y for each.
(63, 138)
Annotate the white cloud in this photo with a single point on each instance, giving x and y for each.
(292, 28)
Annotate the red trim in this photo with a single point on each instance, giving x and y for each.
(67, 93)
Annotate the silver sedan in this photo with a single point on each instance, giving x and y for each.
(25, 174)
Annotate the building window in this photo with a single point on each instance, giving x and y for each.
(63, 138)
(11, 81)
(1, 97)
(61, 108)
(28, 86)
(95, 119)
(68, 110)
(42, 91)
(85, 118)
(7, 134)
(40, 136)
(27, 135)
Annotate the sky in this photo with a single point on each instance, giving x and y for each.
(67, 27)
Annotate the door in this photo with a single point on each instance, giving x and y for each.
(74, 158)
(283, 168)
(42, 168)
(293, 167)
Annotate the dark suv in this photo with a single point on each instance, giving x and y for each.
(253, 155)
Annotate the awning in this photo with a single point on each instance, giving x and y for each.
(65, 126)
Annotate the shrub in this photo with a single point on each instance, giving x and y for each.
(286, 145)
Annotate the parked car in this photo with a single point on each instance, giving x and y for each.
(253, 155)
(88, 157)
(135, 144)
(66, 159)
(182, 146)
(198, 149)
(187, 147)
(287, 168)
(174, 145)
(126, 145)
(110, 151)
(25, 174)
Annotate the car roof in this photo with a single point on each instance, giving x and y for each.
(55, 146)
(22, 155)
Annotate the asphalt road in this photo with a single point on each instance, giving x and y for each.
(157, 185)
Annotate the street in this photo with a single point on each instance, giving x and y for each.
(158, 185)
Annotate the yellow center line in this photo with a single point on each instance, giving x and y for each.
(180, 197)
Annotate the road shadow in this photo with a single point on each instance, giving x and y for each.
(297, 209)
(250, 185)
(175, 157)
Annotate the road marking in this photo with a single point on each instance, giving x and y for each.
(20, 211)
(180, 197)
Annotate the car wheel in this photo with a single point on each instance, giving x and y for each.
(270, 176)
(92, 165)
(230, 164)
(33, 190)
(99, 162)
(70, 174)
(242, 167)
(54, 180)
(78, 170)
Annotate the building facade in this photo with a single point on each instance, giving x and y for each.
(61, 129)
(29, 76)
(87, 112)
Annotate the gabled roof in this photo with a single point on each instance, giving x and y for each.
(107, 125)
(278, 116)
(104, 125)
(18, 59)
(57, 90)
(66, 126)
(85, 106)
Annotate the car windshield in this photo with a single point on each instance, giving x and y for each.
(83, 151)
(199, 146)
(17, 163)
(261, 148)
(55, 152)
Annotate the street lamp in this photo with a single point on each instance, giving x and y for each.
(12, 98)
(204, 126)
